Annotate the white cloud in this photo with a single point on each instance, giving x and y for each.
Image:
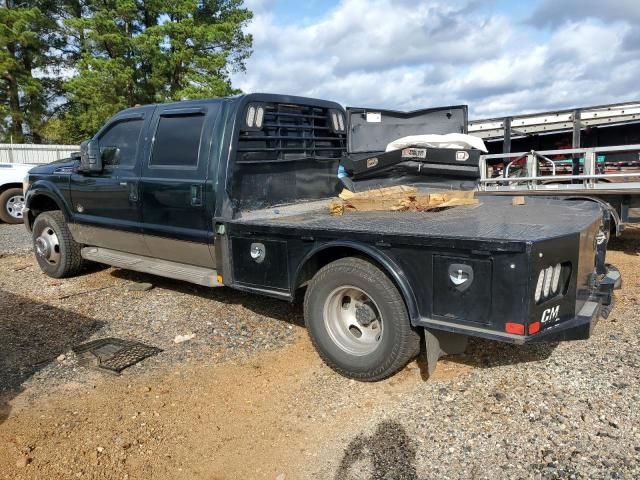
(409, 55)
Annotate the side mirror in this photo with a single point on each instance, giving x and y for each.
(110, 156)
(90, 158)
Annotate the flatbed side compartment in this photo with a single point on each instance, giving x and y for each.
(396, 256)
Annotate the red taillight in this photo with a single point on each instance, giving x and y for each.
(515, 328)
(534, 328)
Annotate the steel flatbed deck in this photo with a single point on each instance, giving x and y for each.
(495, 219)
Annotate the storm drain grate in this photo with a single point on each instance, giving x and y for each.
(113, 354)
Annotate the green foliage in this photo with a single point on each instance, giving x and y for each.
(24, 32)
(119, 53)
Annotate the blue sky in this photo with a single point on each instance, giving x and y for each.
(500, 56)
(296, 12)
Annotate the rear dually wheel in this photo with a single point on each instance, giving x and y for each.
(358, 321)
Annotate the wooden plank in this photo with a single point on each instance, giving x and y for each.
(399, 198)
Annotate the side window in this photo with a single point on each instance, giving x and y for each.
(177, 141)
(124, 136)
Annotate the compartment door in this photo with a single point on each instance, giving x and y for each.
(462, 289)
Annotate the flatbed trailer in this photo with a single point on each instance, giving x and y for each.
(589, 152)
(536, 173)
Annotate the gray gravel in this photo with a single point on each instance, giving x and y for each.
(49, 316)
(571, 415)
(555, 411)
(14, 239)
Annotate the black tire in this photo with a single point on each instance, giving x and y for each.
(8, 211)
(67, 259)
(399, 342)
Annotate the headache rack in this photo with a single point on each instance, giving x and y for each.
(292, 156)
(291, 133)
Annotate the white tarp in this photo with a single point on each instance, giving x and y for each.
(450, 140)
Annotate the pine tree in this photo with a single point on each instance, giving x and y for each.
(128, 52)
(26, 89)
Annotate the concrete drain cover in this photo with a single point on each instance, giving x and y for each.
(113, 354)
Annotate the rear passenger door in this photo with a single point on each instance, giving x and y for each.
(176, 214)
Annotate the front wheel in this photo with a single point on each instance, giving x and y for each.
(57, 253)
(11, 203)
(358, 322)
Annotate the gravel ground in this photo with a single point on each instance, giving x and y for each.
(14, 239)
(249, 378)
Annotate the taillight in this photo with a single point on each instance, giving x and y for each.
(534, 328)
(515, 328)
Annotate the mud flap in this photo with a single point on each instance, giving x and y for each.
(439, 343)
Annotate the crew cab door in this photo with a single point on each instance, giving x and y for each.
(176, 203)
(106, 205)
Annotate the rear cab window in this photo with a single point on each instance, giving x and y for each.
(177, 141)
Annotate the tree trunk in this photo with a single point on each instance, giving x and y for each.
(13, 96)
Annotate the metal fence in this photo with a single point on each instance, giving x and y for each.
(34, 154)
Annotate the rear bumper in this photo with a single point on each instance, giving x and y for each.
(599, 303)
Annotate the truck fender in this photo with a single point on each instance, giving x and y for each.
(615, 218)
(387, 264)
(46, 189)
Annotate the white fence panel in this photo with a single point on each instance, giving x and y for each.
(34, 154)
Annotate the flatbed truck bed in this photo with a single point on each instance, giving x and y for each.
(494, 219)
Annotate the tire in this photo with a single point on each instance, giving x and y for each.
(11, 203)
(352, 295)
(57, 253)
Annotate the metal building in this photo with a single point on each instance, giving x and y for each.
(34, 154)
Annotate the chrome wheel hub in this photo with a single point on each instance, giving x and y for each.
(47, 246)
(15, 205)
(353, 320)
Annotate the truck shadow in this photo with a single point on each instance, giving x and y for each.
(388, 453)
(32, 335)
(269, 307)
(482, 353)
(628, 243)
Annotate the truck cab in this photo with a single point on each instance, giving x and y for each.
(235, 192)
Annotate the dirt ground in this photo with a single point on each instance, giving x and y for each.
(213, 410)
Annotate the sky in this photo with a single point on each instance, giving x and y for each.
(500, 57)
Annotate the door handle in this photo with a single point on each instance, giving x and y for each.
(196, 195)
(133, 190)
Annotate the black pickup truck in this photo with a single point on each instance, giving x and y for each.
(235, 191)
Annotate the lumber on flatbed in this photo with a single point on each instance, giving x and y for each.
(399, 198)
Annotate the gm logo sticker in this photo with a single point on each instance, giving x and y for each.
(550, 315)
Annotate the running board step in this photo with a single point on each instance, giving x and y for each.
(164, 268)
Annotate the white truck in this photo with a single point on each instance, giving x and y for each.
(11, 193)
